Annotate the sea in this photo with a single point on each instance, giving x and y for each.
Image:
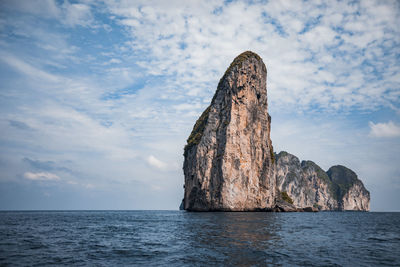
(180, 238)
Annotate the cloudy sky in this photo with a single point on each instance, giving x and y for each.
(97, 98)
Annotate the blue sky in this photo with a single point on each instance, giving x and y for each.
(97, 98)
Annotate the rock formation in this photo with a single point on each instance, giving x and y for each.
(230, 164)
(350, 191)
(307, 185)
(229, 159)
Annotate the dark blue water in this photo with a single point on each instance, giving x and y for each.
(177, 238)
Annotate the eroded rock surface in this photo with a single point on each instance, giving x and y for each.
(230, 164)
(350, 191)
(308, 185)
(229, 160)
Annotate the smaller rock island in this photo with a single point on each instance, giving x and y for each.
(305, 185)
(230, 164)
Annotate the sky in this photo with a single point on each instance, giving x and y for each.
(97, 98)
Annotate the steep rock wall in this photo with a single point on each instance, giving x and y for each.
(229, 157)
(307, 185)
(229, 161)
(350, 191)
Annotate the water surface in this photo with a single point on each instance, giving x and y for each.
(178, 238)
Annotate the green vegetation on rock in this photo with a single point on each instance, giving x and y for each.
(272, 154)
(281, 154)
(338, 178)
(309, 178)
(286, 197)
(321, 174)
(343, 179)
(200, 125)
(198, 130)
(315, 205)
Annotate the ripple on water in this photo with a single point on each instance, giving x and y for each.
(177, 238)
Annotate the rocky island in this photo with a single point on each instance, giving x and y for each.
(230, 164)
(304, 185)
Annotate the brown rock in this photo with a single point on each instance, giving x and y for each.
(283, 206)
(229, 160)
(310, 209)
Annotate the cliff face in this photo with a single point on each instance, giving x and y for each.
(307, 185)
(229, 161)
(229, 156)
(350, 191)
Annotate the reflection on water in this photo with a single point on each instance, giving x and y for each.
(233, 238)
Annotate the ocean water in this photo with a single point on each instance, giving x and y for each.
(179, 238)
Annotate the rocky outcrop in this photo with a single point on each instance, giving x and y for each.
(357, 198)
(307, 185)
(229, 160)
(284, 206)
(350, 191)
(230, 164)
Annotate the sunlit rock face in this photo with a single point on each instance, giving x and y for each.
(230, 164)
(229, 160)
(307, 185)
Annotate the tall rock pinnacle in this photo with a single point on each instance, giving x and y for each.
(229, 159)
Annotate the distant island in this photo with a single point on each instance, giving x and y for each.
(230, 164)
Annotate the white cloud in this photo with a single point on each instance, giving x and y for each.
(77, 14)
(187, 107)
(115, 60)
(27, 69)
(41, 176)
(388, 129)
(299, 65)
(70, 14)
(155, 162)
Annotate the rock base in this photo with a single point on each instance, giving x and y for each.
(283, 206)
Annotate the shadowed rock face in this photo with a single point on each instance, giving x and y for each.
(229, 160)
(350, 191)
(309, 186)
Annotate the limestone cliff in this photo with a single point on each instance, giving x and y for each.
(229, 160)
(307, 185)
(350, 191)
